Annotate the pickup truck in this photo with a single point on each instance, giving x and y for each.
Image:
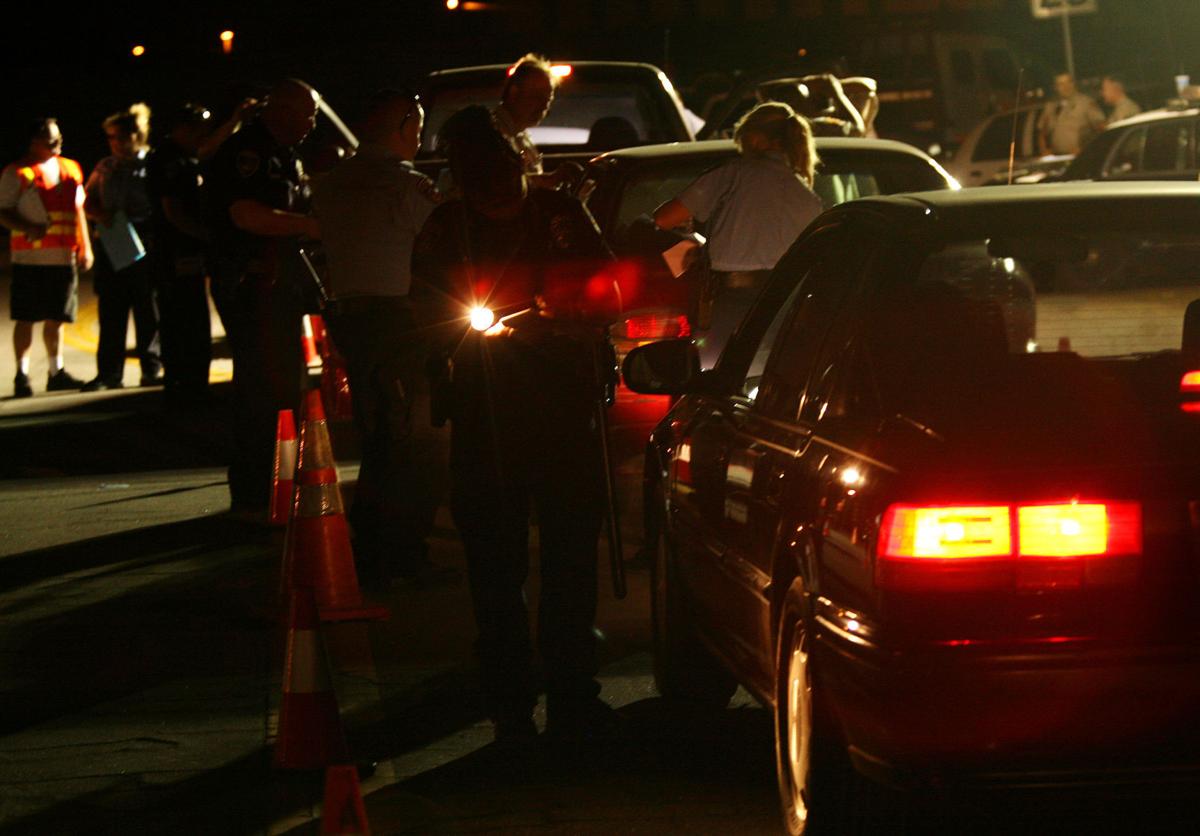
(637, 103)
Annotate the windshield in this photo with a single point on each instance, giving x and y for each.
(1036, 325)
(586, 115)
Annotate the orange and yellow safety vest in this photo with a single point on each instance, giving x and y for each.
(59, 200)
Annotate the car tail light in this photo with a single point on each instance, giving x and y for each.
(656, 327)
(1034, 546)
(1190, 386)
(948, 533)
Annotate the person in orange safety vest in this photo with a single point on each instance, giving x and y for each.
(41, 203)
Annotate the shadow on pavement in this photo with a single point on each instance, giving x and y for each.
(131, 427)
(124, 550)
(196, 610)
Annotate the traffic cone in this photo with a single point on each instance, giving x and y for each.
(310, 728)
(343, 812)
(312, 359)
(320, 553)
(283, 481)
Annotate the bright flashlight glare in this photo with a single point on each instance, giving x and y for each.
(482, 318)
(138, 51)
(451, 4)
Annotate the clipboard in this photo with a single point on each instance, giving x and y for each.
(121, 242)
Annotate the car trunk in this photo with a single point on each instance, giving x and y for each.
(1055, 428)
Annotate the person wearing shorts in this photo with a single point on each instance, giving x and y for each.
(41, 203)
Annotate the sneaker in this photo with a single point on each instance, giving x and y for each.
(99, 384)
(151, 379)
(63, 381)
(21, 387)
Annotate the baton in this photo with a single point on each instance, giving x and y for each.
(616, 555)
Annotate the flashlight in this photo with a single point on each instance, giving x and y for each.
(482, 318)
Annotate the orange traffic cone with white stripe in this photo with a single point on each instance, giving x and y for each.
(343, 812)
(283, 481)
(320, 555)
(310, 727)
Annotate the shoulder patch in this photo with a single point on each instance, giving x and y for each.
(247, 162)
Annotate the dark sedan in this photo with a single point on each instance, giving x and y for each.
(944, 557)
(624, 187)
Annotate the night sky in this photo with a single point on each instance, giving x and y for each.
(78, 66)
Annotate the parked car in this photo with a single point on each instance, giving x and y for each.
(624, 187)
(944, 557)
(1155, 145)
(638, 99)
(983, 157)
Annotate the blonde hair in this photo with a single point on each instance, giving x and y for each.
(134, 120)
(779, 125)
(529, 64)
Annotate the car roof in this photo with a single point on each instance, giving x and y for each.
(1044, 207)
(1156, 115)
(503, 68)
(718, 146)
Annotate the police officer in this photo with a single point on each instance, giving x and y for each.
(257, 200)
(521, 406)
(174, 182)
(371, 208)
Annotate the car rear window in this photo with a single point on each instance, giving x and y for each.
(579, 104)
(989, 316)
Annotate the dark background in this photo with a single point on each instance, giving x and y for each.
(78, 66)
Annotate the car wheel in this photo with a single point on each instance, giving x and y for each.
(683, 668)
(794, 720)
(819, 790)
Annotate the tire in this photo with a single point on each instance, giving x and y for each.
(819, 790)
(683, 668)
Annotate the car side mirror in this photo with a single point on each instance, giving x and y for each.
(668, 367)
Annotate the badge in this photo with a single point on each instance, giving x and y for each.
(247, 163)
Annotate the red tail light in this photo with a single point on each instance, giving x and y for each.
(656, 327)
(1189, 386)
(1002, 546)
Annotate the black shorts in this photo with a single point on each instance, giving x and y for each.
(44, 291)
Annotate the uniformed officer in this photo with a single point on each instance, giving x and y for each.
(754, 207)
(371, 208)
(523, 429)
(1067, 124)
(174, 182)
(257, 200)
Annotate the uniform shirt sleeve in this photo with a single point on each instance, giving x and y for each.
(10, 188)
(420, 201)
(704, 195)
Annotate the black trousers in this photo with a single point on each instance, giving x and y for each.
(262, 321)
(122, 292)
(524, 440)
(401, 479)
(185, 325)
